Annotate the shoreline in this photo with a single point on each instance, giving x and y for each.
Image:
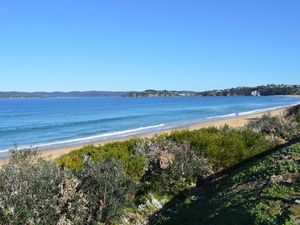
(232, 121)
(235, 122)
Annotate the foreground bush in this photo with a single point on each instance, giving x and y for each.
(123, 151)
(295, 112)
(170, 167)
(280, 128)
(106, 190)
(37, 191)
(223, 147)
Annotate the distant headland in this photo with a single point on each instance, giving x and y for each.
(263, 90)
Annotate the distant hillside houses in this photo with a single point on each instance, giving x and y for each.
(162, 93)
(255, 93)
(263, 90)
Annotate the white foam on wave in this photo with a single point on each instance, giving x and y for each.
(221, 116)
(105, 136)
(252, 111)
(3, 150)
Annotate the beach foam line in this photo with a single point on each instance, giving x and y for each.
(83, 140)
(4, 150)
(252, 111)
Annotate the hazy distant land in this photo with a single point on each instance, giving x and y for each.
(263, 90)
(58, 94)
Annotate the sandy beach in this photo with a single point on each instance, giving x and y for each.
(235, 122)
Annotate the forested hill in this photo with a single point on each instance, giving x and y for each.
(256, 91)
(263, 90)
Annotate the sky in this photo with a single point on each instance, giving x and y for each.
(64, 45)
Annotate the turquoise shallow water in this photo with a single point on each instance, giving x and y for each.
(53, 122)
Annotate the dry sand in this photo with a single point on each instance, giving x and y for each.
(235, 122)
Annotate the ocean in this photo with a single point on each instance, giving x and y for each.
(55, 122)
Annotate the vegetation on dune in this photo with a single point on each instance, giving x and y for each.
(261, 192)
(223, 147)
(37, 191)
(295, 112)
(170, 165)
(278, 128)
(133, 162)
(154, 180)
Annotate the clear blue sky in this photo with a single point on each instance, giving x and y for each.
(48, 45)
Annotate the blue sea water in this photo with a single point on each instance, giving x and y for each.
(54, 122)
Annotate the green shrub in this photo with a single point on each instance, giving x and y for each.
(37, 191)
(267, 212)
(106, 190)
(75, 159)
(124, 151)
(133, 162)
(223, 147)
(295, 112)
(277, 128)
(31, 191)
(170, 167)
